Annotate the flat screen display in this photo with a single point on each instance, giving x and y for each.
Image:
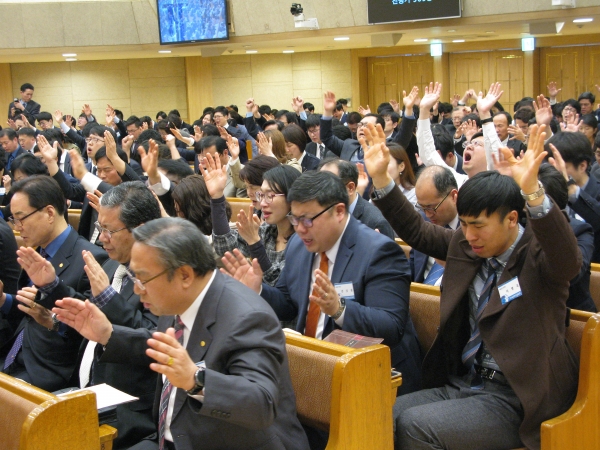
(192, 21)
(386, 11)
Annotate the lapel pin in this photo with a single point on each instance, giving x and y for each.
(202, 343)
(60, 265)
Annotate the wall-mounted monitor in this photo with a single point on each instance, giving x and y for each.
(387, 11)
(188, 21)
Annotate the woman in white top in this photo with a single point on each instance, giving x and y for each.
(401, 171)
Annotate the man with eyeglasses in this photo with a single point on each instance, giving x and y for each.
(316, 146)
(41, 351)
(221, 370)
(339, 274)
(436, 192)
(121, 210)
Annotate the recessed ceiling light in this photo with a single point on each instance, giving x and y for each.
(458, 40)
(583, 20)
(247, 46)
(288, 51)
(164, 51)
(69, 55)
(251, 51)
(421, 40)
(490, 32)
(451, 31)
(71, 59)
(341, 38)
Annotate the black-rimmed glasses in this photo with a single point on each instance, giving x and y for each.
(106, 231)
(141, 284)
(307, 222)
(427, 209)
(19, 222)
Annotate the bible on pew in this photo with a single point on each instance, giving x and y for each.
(351, 340)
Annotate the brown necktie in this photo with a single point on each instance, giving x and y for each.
(314, 310)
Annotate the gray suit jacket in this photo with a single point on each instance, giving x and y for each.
(249, 401)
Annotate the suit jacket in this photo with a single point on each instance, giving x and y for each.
(9, 275)
(19, 151)
(134, 420)
(587, 206)
(459, 164)
(312, 148)
(249, 401)
(579, 290)
(240, 134)
(378, 270)
(369, 215)
(527, 335)
(418, 265)
(32, 108)
(516, 146)
(309, 162)
(49, 357)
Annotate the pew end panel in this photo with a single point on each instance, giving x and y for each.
(345, 391)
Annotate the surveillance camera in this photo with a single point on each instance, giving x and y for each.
(296, 9)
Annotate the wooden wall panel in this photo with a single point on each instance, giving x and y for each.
(563, 66)
(468, 71)
(507, 68)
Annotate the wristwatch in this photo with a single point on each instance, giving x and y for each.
(55, 323)
(537, 194)
(571, 182)
(340, 310)
(488, 120)
(198, 380)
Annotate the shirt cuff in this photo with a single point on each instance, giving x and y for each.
(573, 198)
(410, 117)
(540, 211)
(49, 287)
(5, 309)
(116, 119)
(340, 320)
(303, 115)
(90, 182)
(163, 187)
(64, 127)
(327, 117)
(249, 114)
(380, 193)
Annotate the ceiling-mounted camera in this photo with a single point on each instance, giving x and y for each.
(299, 20)
(296, 9)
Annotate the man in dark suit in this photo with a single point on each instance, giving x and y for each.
(358, 207)
(122, 209)
(10, 142)
(225, 378)
(27, 139)
(220, 117)
(501, 121)
(359, 279)
(491, 373)
(313, 128)
(9, 275)
(436, 191)
(44, 354)
(25, 104)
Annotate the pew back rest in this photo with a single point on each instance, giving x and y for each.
(237, 204)
(595, 286)
(342, 390)
(35, 419)
(74, 218)
(425, 313)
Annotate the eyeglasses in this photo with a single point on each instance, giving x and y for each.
(19, 222)
(268, 197)
(314, 130)
(141, 284)
(218, 116)
(306, 221)
(429, 210)
(106, 231)
(473, 143)
(93, 140)
(361, 124)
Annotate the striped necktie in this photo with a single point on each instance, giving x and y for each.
(166, 391)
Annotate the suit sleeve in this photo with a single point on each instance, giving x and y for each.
(386, 292)
(249, 387)
(127, 346)
(279, 298)
(332, 142)
(71, 191)
(77, 139)
(405, 134)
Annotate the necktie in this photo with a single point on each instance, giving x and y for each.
(314, 310)
(166, 391)
(321, 151)
(434, 274)
(85, 368)
(14, 350)
(94, 169)
(474, 343)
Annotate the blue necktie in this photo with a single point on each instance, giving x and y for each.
(14, 351)
(474, 343)
(434, 274)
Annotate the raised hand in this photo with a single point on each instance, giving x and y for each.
(572, 123)
(126, 143)
(557, 161)
(238, 267)
(172, 359)
(469, 128)
(431, 97)
(98, 279)
(377, 155)
(543, 111)
(248, 225)
(94, 199)
(327, 298)
(39, 269)
(364, 111)
(214, 175)
(410, 100)
(58, 116)
(395, 105)
(233, 145)
(249, 105)
(111, 153)
(40, 314)
(298, 104)
(110, 115)
(553, 90)
(77, 164)
(329, 103)
(6, 182)
(69, 120)
(222, 131)
(150, 161)
(87, 110)
(265, 145)
(485, 104)
(454, 100)
(85, 317)
(517, 133)
(363, 179)
(177, 134)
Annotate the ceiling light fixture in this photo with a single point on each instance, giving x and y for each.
(250, 52)
(583, 20)
(341, 38)
(288, 51)
(458, 40)
(71, 59)
(69, 55)
(164, 51)
(421, 40)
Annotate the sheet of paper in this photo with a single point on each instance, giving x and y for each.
(108, 396)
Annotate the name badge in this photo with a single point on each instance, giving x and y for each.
(345, 290)
(510, 290)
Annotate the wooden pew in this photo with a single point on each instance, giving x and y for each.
(33, 419)
(595, 284)
(578, 427)
(344, 391)
(404, 246)
(238, 204)
(74, 217)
